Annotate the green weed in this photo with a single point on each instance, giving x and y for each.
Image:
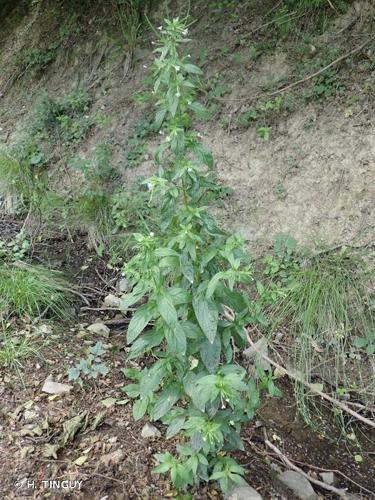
(135, 146)
(91, 367)
(325, 305)
(264, 133)
(29, 290)
(15, 349)
(129, 18)
(65, 118)
(15, 249)
(280, 192)
(187, 271)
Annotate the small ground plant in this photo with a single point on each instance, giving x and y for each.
(325, 302)
(188, 271)
(28, 290)
(91, 367)
(15, 349)
(64, 118)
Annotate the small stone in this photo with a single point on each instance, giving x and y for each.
(112, 301)
(113, 458)
(150, 431)
(255, 353)
(328, 478)
(243, 492)
(99, 329)
(29, 415)
(51, 387)
(297, 484)
(124, 285)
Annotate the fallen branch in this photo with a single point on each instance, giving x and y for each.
(338, 491)
(333, 63)
(312, 388)
(230, 316)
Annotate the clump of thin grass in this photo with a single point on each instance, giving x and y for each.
(15, 349)
(29, 290)
(325, 307)
(15, 181)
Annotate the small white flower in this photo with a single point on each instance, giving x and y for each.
(177, 68)
(190, 169)
(178, 94)
(189, 102)
(152, 234)
(145, 66)
(160, 28)
(185, 32)
(199, 135)
(189, 55)
(149, 186)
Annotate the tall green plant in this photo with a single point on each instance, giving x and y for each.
(189, 272)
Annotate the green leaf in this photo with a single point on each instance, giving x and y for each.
(140, 408)
(175, 426)
(165, 252)
(199, 109)
(167, 310)
(139, 322)
(210, 354)
(191, 68)
(130, 299)
(132, 390)
(162, 468)
(370, 349)
(146, 342)
(205, 391)
(235, 300)
(360, 342)
(192, 331)
(211, 287)
(207, 315)
(159, 118)
(179, 295)
(165, 402)
(187, 267)
(151, 379)
(73, 373)
(176, 339)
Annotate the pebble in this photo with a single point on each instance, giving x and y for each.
(150, 431)
(243, 492)
(124, 285)
(112, 301)
(297, 484)
(99, 329)
(29, 415)
(51, 387)
(328, 477)
(112, 458)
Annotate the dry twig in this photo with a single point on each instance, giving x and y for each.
(338, 491)
(333, 63)
(294, 376)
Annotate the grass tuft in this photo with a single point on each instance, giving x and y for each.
(15, 349)
(29, 290)
(326, 306)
